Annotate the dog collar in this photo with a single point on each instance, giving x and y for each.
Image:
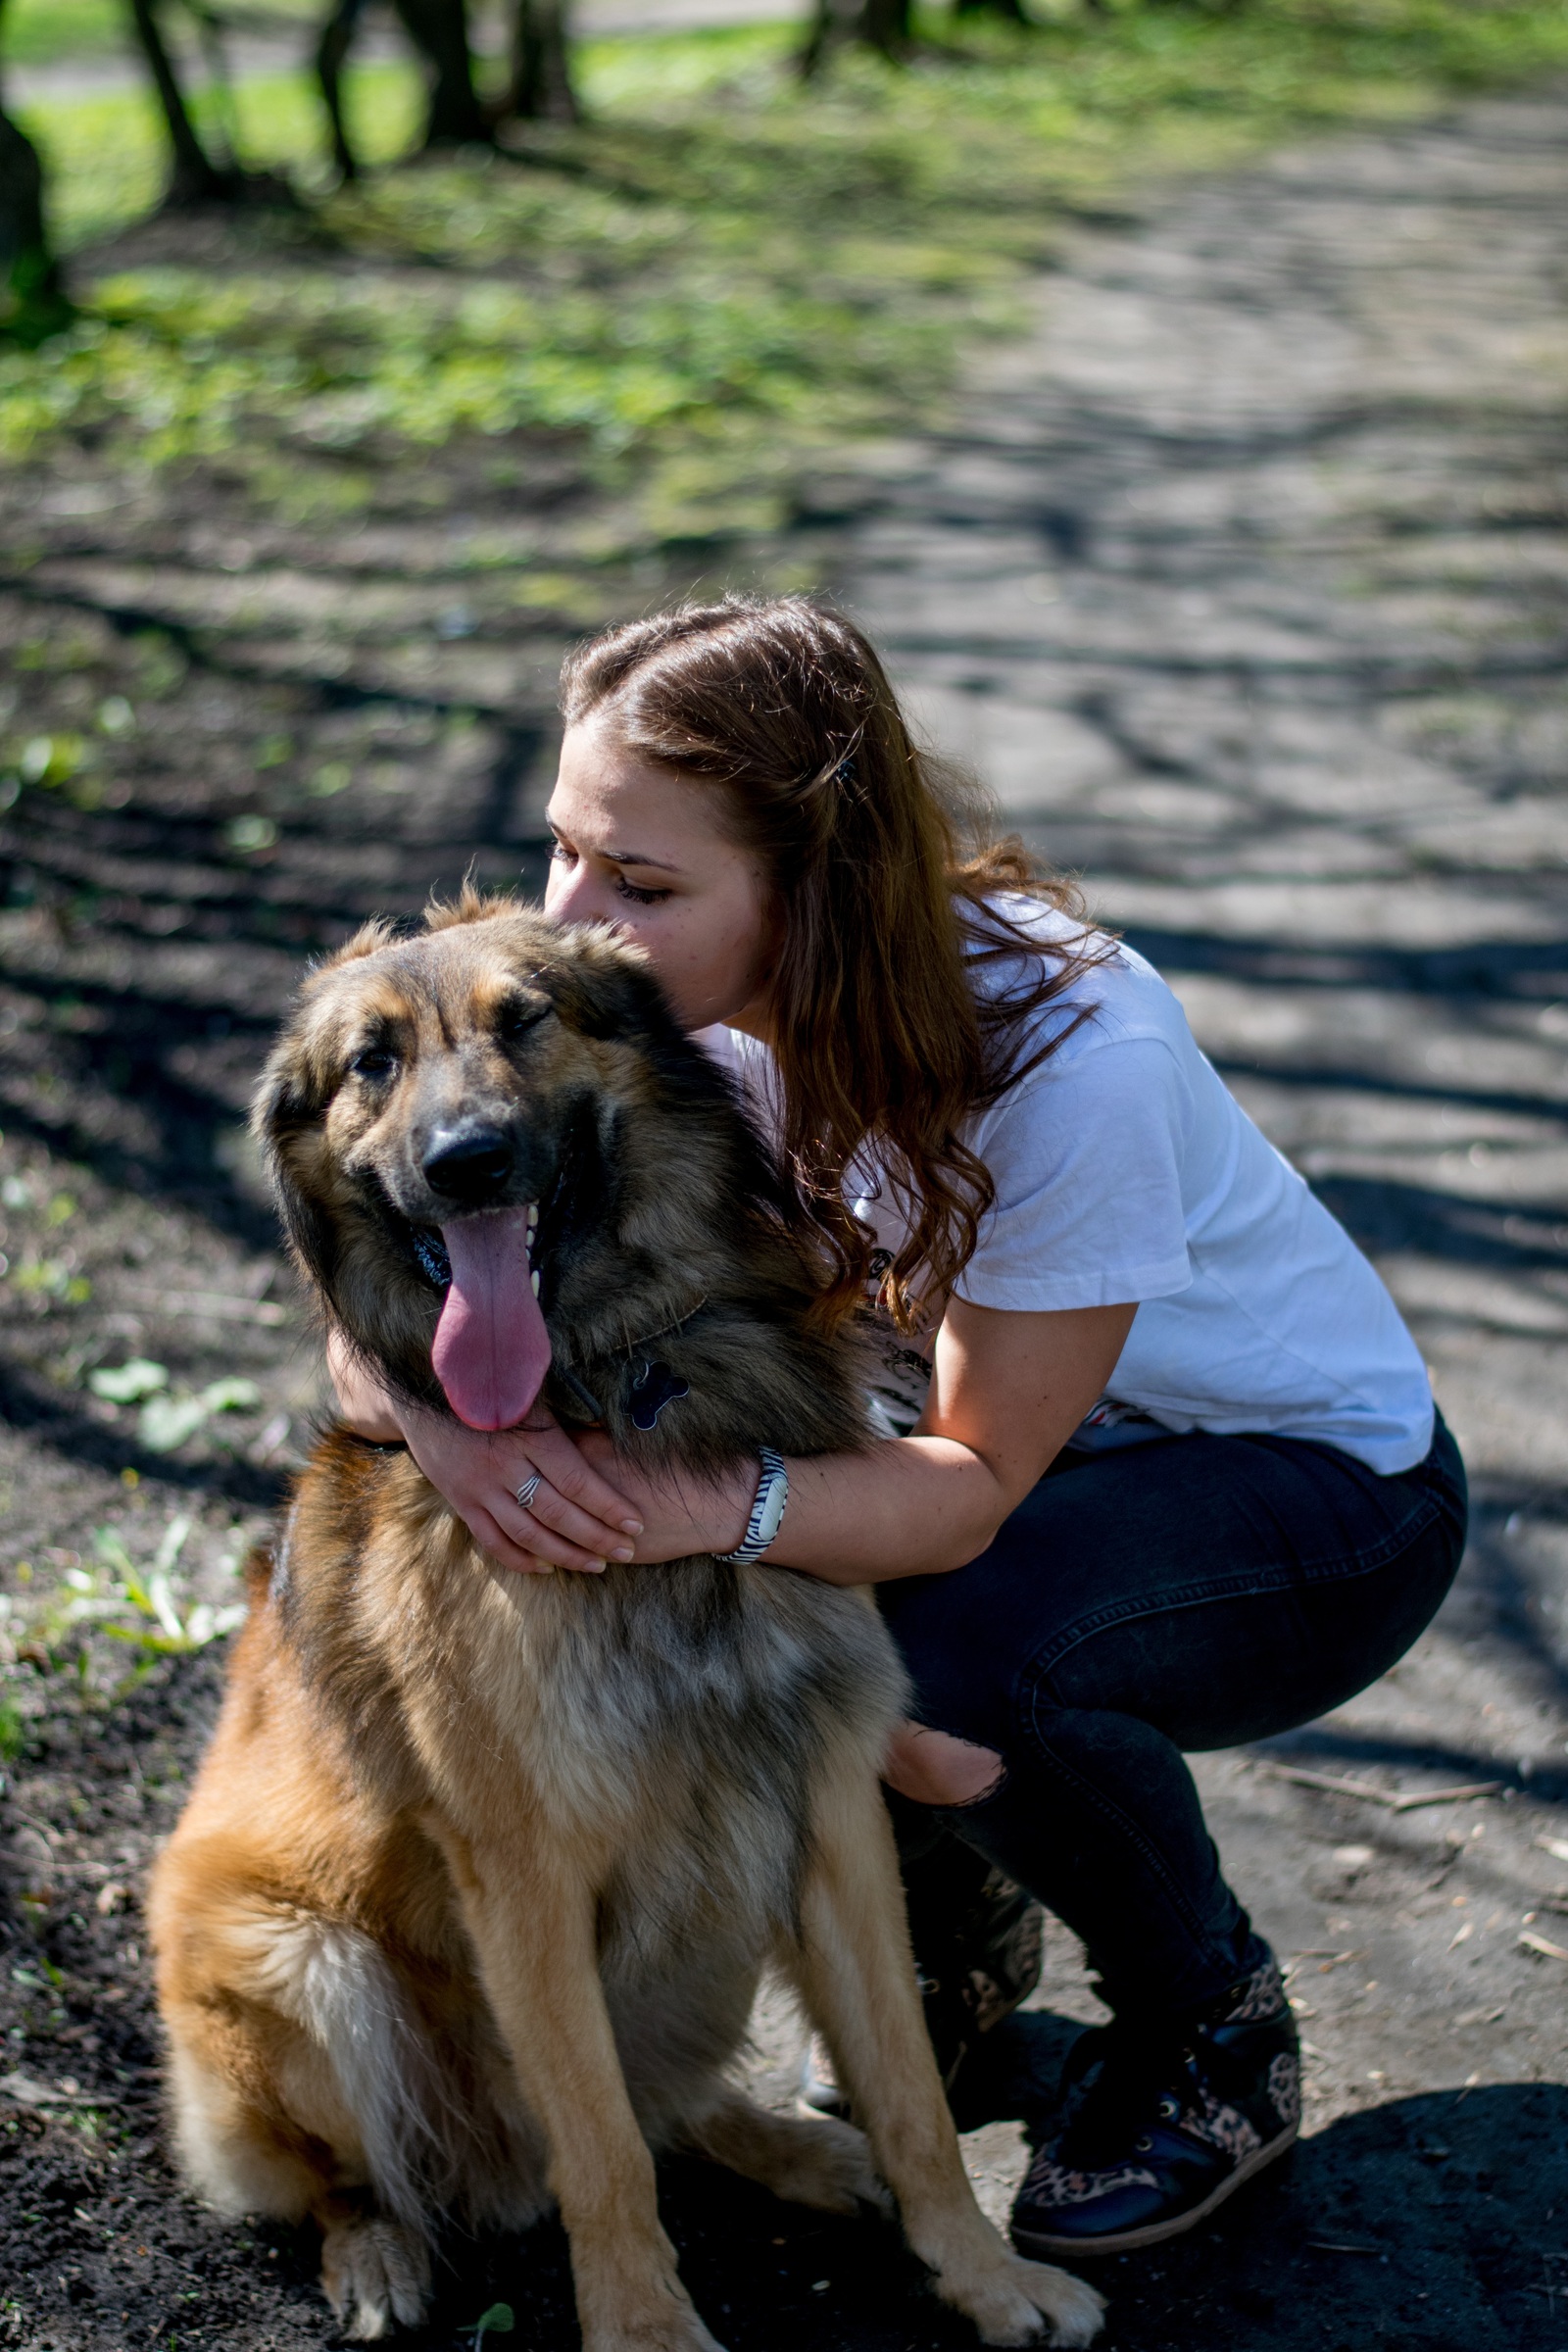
(432, 1251)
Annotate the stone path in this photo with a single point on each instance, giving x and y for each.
(1244, 590)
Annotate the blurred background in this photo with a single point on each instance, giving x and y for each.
(1177, 392)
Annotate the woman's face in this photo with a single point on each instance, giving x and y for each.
(642, 849)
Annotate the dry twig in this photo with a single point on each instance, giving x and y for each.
(1396, 1801)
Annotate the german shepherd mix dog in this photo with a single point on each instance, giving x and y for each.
(476, 1884)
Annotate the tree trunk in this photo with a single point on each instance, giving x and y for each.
(331, 50)
(196, 179)
(885, 25)
(880, 24)
(210, 33)
(439, 31)
(32, 300)
(541, 68)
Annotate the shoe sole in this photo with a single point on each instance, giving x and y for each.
(1153, 2234)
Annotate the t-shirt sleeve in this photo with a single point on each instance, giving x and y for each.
(1086, 1156)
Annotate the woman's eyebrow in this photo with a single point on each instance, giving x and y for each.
(636, 857)
(613, 857)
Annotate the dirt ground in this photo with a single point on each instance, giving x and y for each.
(1245, 588)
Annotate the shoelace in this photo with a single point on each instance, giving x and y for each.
(1133, 2074)
(1139, 2075)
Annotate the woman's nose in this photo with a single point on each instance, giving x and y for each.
(584, 898)
(574, 897)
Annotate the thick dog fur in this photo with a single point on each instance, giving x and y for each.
(474, 1889)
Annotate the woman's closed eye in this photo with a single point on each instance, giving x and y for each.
(562, 854)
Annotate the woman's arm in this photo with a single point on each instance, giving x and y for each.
(1007, 1391)
(362, 1402)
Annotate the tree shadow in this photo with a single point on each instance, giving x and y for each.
(1462, 1766)
(59, 1422)
(199, 948)
(1426, 2222)
(1530, 970)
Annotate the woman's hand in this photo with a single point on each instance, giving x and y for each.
(682, 1513)
(362, 1402)
(574, 1519)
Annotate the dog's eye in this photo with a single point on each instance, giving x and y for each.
(515, 1018)
(376, 1062)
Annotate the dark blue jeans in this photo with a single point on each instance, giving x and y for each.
(1196, 1592)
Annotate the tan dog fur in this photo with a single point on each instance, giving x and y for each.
(470, 1902)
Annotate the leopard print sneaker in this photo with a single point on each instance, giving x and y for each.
(1162, 2124)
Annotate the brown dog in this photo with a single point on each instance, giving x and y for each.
(476, 1884)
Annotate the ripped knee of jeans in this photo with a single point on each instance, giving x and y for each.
(936, 1768)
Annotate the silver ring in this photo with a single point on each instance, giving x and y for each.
(529, 1489)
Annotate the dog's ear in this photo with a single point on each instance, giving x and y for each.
(470, 906)
(303, 1071)
(301, 1075)
(368, 939)
(309, 1231)
(290, 1101)
(603, 988)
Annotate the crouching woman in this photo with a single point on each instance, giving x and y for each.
(1162, 1471)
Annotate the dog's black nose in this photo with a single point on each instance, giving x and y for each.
(469, 1165)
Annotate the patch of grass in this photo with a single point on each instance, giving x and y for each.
(40, 32)
(12, 1731)
(93, 1613)
(106, 156)
(717, 279)
(51, 32)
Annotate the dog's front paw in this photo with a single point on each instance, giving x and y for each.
(374, 2273)
(1074, 2310)
(1018, 2302)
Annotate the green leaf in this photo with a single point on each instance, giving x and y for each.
(248, 834)
(171, 1544)
(162, 1645)
(13, 1733)
(165, 1422)
(108, 1547)
(164, 1609)
(231, 1396)
(497, 2321)
(128, 1384)
(51, 759)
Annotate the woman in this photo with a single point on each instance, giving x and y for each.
(1162, 1468)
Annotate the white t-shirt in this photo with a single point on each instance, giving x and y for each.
(1125, 1170)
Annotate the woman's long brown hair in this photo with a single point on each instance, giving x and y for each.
(882, 866)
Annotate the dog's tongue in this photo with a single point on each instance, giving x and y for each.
(491, 1350)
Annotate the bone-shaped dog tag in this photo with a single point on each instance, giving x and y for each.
(655, 1387)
